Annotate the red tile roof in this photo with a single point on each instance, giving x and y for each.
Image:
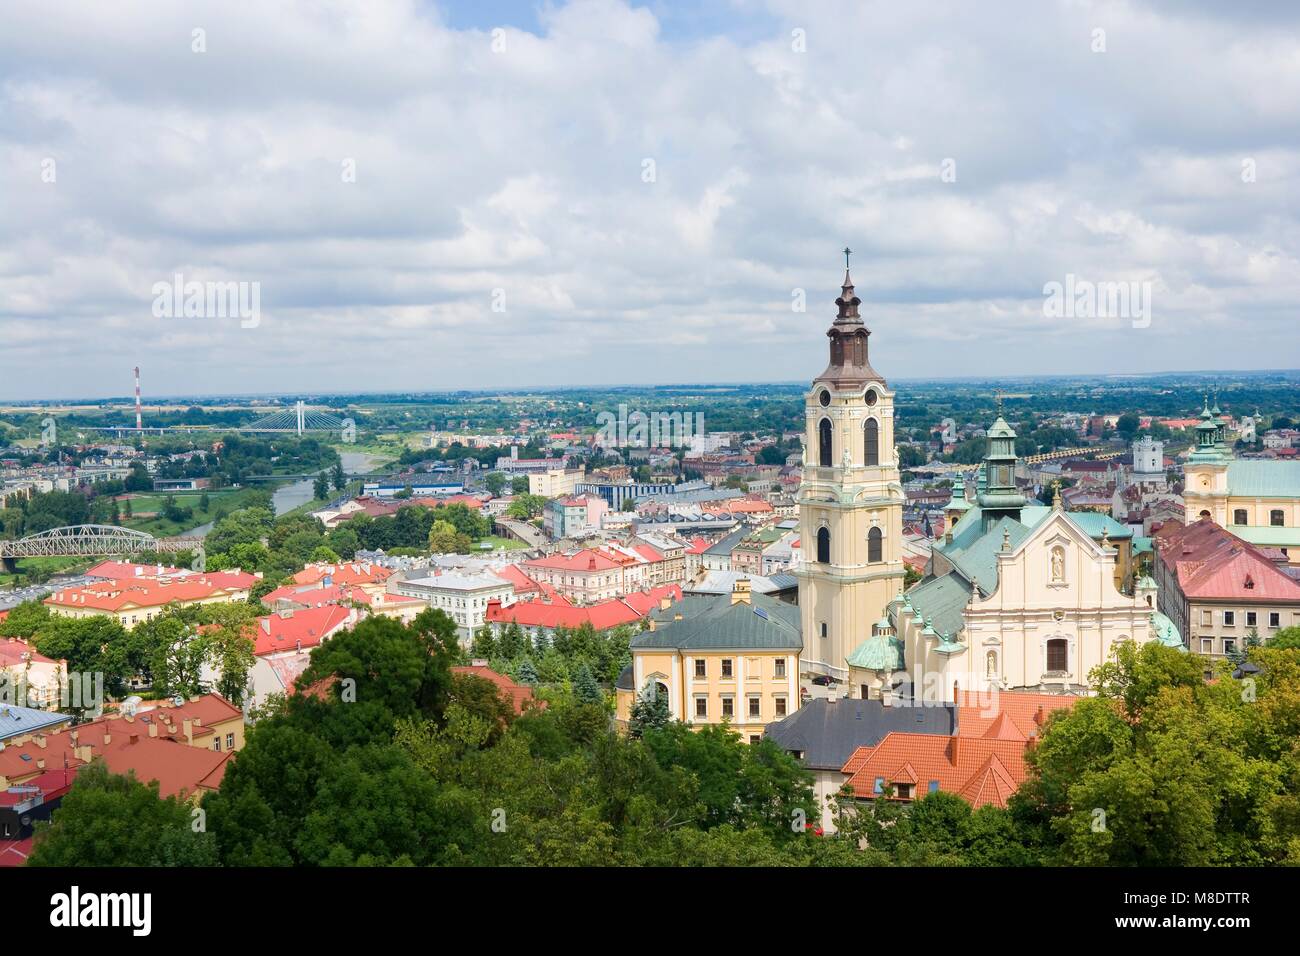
(13, 649)
(301, 629)
(343, 574)
(520, 695)
(15, 852)
(122, 594)
(1211, 563)
(983, 762)
(125, 744)
(560, 613)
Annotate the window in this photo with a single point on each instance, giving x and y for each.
(1229, 618)
(1274, 619)
(873, 545)
(934, 787)
(823, 628)
(1058, 655)
(701, 669)
(726, 667)
(230, 741)
(1275, 519)
(1207, 645)
(701, 707)
(1239, 516)
(1207, 618)
(823, 546)
(871, 449)
(728, 707)
(755, 707)
(1251, 618)
(1229, 645)
(780, 706)
(825, 454)
(903, 791)
(780, 667)
(216, 744)
(880, 786)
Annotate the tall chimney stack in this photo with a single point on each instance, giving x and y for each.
(139, 422)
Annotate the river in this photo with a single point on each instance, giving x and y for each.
(287, 497)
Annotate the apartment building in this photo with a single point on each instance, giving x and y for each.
(1220, 590)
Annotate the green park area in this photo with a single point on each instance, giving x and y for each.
(36, 570)
(147, 509)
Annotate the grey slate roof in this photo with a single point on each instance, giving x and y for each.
(828, 733)
(16, 721)
(940, 601)
(714, 622)
(728, 544)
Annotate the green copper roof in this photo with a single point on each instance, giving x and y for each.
(1164, 631)
(1142, 544)
(1001, 429)
(712, 621)
(880, 652)
(1146, 581)
(1264, 478)
(1266, 536)
(1094, 523)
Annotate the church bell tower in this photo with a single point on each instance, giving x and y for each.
(850, 500)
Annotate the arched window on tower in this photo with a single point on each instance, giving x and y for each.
(871, 431)
(873, 545)
(825, 456)
(824, 546)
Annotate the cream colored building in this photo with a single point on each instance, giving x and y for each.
(850, 500)
(555, 482)
(1258, 500)
(732, 659)
(1021, 597)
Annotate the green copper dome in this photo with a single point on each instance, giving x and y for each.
(1164, 631)
(880, 652)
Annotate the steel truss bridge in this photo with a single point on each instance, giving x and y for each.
(91, 540)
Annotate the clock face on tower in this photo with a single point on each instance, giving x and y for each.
(824, 398)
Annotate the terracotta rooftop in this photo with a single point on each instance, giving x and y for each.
(1212, 563)
(983, 762)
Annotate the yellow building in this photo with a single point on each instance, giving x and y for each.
(130, 602)
(1258, 500)
(730, 659)
(850, 500)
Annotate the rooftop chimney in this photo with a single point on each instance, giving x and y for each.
(740, 592)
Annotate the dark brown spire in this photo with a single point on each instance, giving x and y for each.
(849, 367)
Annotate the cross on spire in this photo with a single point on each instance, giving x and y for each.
(847, 252)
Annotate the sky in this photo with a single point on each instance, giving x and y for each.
(427, 195)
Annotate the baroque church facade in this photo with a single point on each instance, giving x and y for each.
(1017, 596)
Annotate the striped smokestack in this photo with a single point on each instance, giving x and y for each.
(139, 423)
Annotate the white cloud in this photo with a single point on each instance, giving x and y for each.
(521, 169)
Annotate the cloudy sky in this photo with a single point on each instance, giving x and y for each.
(481, 194)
